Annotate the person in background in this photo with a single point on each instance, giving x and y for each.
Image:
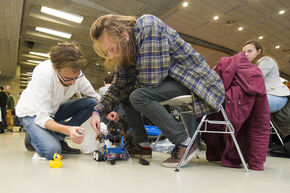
(107, 83)
(3, 105)
(10, 108)
(10, 101)
(152, 64)
(43, 106)
(277, 92)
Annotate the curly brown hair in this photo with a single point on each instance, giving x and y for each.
(67, 54)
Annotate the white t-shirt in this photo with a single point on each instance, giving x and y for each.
(45, 93)
(103, 89)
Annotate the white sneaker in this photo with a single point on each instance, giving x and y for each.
(36, 156)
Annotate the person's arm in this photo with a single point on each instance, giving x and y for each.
(6, 100)
(153, 59)
(96, 121)
(267, 65)
(121, 87)
(85, 87)
(71, 131)
(42, 90)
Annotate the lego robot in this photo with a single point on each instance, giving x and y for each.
(114, 147)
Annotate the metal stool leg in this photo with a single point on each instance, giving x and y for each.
(234, 139)
(273, 127)
(239, 150)
(158, 138)
(228, 124)
(191, 143)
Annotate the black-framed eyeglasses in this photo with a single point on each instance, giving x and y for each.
(70, 79)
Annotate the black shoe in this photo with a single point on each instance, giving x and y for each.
(27, 144)
(279, 152)
(65, 149)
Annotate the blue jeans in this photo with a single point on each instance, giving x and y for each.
(46, 142)
(276, 103)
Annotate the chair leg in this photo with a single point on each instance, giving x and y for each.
(273, 127)
(234, 138)
(184, 123)
(229, 125)
(190, 143)
(158, 138)
(238, 149)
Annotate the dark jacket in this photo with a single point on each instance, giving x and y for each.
(10, 102)
(3, 99)
(247, 108)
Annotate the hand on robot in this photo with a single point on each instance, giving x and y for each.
(96, 122)
(76, 137)
(113, 116)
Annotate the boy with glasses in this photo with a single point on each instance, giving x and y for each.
(43, 106)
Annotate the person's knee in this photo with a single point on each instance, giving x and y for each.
(137, 97)
(92, 102)
(50, 150)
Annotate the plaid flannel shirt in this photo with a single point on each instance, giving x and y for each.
(162, 53)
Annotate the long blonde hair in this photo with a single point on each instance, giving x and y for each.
(115, 26)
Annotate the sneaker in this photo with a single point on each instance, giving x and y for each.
(65, 149)
(177, 154)
(137, 151)
(27, 144)
(36, 156)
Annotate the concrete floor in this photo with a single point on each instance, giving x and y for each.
(80, 173)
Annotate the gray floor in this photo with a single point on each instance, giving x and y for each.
(80, 173)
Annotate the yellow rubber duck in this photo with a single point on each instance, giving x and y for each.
(56, 163)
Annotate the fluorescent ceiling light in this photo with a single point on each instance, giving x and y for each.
(39, 54)
(64, 15)
(261, 37)
(53, 32)
(240, 28)
(185, 4)
(277, 47)
(216, 17)
(34, 61)
(281, 12)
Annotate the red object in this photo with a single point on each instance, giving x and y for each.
(247, 108)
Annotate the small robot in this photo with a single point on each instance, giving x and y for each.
(114, 147)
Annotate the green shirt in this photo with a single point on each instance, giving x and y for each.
(10, 102)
